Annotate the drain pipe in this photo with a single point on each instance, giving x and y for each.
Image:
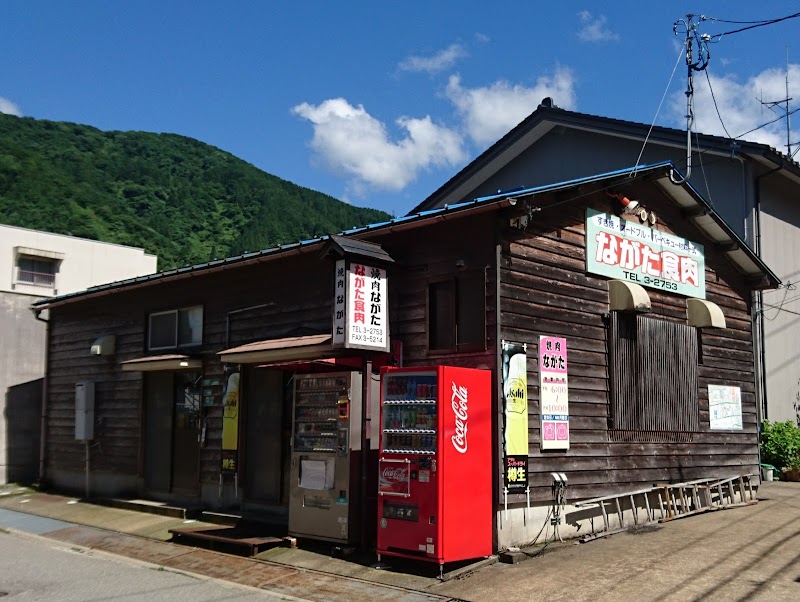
(762, 354)
(37, 312)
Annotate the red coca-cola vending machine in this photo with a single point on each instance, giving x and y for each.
(435, 464)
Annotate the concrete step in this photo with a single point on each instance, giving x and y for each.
(152, 507)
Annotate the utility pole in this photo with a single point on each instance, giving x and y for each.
(692, 35)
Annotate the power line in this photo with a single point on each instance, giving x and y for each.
(714, 98)
(719, 36)
(666, 90)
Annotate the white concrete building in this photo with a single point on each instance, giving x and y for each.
(34, 265)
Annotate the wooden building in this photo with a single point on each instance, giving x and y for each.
(463, 280)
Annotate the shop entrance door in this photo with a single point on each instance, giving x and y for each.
(172, 433)
(264, 434)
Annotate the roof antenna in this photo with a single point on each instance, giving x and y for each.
(691, 66)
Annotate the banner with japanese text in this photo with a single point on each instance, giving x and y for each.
(553, 392)
(230, 423)
(360, 307)
(625, 250)
(515, 397)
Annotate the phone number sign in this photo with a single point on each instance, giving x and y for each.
(622, 249)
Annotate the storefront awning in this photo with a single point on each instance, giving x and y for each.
(153, 363)
(308, 347)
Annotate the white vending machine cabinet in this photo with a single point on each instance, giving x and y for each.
(326, 438)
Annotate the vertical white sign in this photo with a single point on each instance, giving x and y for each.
(553, 392)
(367, 315)
(339, 303)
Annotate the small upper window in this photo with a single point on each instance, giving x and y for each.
(36, 271)
(176, 328)
(457, 312)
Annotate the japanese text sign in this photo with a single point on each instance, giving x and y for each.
(622, 249)
(360, 307)
(515, 433)
(553, 392)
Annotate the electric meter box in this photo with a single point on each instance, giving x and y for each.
(84, 411)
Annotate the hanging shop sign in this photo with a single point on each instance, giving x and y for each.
(360, 307)
(625, 250)
(230, 423)
(515, 398)
(724, 407)
(553, 392)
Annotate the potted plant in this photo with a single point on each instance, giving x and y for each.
(780, 446)
(792, 469)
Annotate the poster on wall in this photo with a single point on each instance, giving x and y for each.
(553, 393)
(360, 307)
(515, 398)
(724, 407)
(230, 423)
(625, 250)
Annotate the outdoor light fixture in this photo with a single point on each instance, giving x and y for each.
(184, 364)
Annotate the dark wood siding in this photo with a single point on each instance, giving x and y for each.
(287, 298)
(545, 290)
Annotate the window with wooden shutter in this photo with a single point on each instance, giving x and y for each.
(653, 374)
(457, 313)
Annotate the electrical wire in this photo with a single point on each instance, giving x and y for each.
(652, 125)
(768, 123)
(753, 26)
(714, 98)
(702, 168)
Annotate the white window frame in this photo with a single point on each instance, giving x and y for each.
(176, 312)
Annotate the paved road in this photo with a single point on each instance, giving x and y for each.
(736, 555)
(34, 568)
(742, 554)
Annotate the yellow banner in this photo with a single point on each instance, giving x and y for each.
(515, 394)
(230, 424)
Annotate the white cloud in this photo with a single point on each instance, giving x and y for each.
(352, 142)
(740, 107)
(594, 28)
(490, 112)
(444, 59)
(9, 108)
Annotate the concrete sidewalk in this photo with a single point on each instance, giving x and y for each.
(745, 553)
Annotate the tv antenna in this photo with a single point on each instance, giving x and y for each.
(784, 104)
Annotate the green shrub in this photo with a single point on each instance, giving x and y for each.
(780, 444)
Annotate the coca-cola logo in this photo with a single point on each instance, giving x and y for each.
(395, 474)
(458, 402)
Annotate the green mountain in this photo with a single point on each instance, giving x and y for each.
(186, 201)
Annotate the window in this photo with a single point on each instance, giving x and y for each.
(653, 369)
(457, 313)
(36, 271)
(176, 328)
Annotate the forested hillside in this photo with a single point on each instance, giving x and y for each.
(177, 197)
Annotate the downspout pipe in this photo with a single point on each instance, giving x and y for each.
(760, 311)
(37, 312)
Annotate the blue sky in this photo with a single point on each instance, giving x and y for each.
(379, 103)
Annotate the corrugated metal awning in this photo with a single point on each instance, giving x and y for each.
(308, 347)
(152, 363)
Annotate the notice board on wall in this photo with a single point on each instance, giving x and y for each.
(724, 407)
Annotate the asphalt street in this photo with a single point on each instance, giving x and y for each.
(34, 568)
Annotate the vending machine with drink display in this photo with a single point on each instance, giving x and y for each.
(326, 440)
(435, 464)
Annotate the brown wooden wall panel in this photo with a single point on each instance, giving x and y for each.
(545, 290)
